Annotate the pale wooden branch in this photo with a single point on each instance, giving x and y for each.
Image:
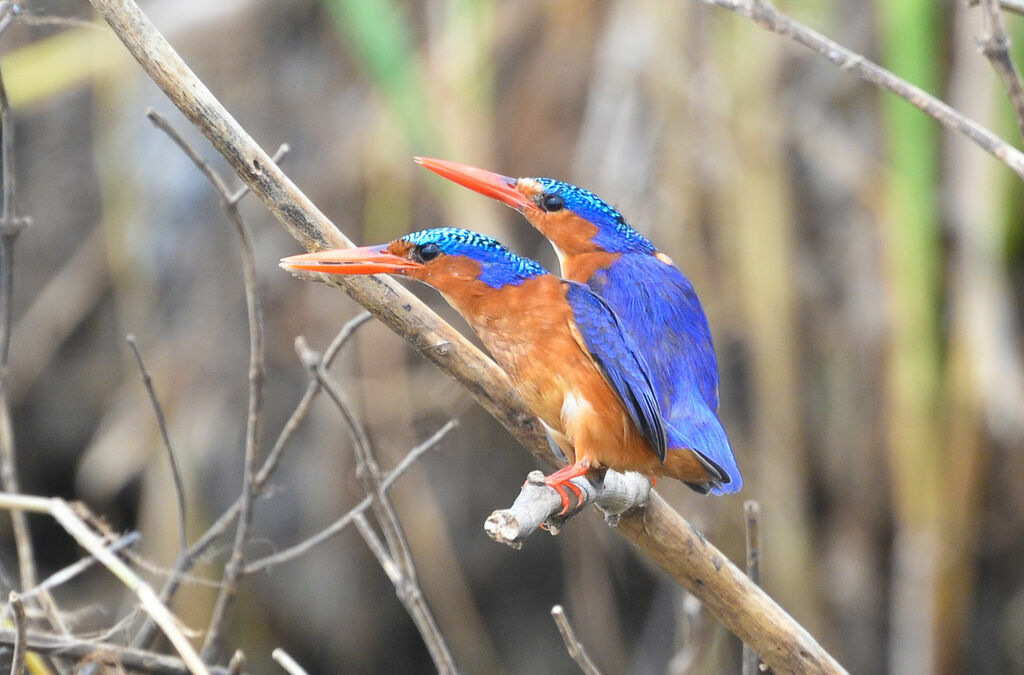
(752, 521)
(572, 643)
(538, 503)
(74, 525)
(92, 650)
(237, 663)
(20, 631)
(658, 531)
(995, 45)
(766, 16)
(161, 421)
(290, 665)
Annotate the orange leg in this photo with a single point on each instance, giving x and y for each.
(562, 480)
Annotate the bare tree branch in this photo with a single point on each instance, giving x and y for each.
(10, 227)
(290, 665)
(572, 643)
(995, 45)
(538, 505)
(347, 519)
(220, 527)
(179, 483)
(92, 650)
(233, 568)
(20, 630)
(658, 531)
(752, 520)
(67, 518)
(765, 15)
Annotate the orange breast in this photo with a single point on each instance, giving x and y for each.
(527, 330)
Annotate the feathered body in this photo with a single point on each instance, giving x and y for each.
(654, 302)
(563, 349)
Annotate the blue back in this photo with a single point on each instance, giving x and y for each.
(659, 309)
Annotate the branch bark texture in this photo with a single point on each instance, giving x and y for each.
(659, 532)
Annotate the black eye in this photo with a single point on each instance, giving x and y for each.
(551, 202)
(428, 252)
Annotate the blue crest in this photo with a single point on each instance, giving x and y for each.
(498, 265)
(614, 234)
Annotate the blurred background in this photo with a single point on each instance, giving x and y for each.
(862, 270)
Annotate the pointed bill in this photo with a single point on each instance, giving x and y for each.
(488, 183)
(363, 260)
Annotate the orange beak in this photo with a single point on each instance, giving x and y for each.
(488, 183)
(364, 260)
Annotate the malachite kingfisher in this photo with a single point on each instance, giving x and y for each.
(565, 351)
(656, 304)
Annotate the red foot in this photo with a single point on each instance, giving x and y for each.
(561, 480)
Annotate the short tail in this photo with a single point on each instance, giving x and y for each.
(702, 432)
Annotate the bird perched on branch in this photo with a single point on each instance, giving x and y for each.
(655, 303)
(563, 348)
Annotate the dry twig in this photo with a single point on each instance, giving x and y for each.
(290, 665)
(752, 520)
(179, 483)
(88, 650)
(572, 643)
(995, 45)
(67, 518)
(20, 631)
(254, 311)
(220, 527)
(340, 524)
(766, 16)
(660, 533)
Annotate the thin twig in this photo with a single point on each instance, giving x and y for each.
(572, 644)
(20, 630)
(220, 527)
(340, 524)
(73, 648)
(237, 663)
(233, 568)
(1015, 6)
(11, 225)
(290, 665)
(752, 521)
(995, 45)
(179, 483)
(396, 559)
(10, 228)
(67, 518)
(765, 15)
(65, 575)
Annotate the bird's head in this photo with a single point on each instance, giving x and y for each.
(576, 221)
(446, 258)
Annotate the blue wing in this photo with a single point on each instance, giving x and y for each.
(658, 307)
(622, 364)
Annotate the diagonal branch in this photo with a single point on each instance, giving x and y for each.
(766, 16)
(995, 45)
(659, 532)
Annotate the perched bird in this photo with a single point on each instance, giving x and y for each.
(564, 350)
(656, 304)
